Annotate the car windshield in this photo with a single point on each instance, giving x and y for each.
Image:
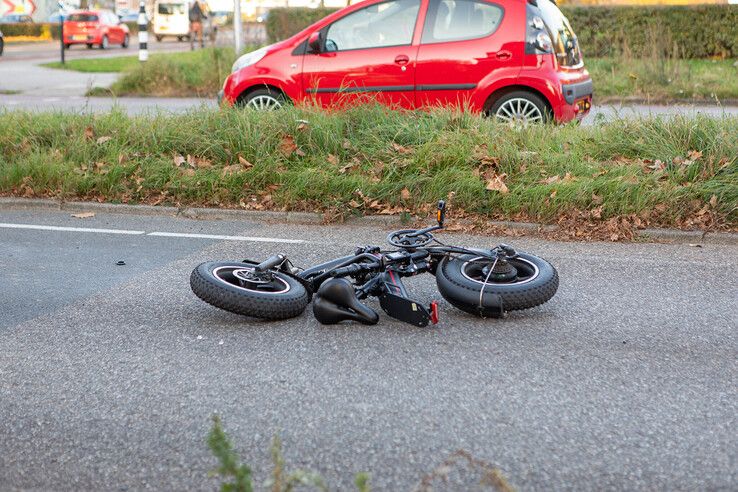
(82, 18)
(171, 8)
(564, 40)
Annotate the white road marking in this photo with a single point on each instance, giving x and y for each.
(228, 238)
(69, 229)
(155, 234)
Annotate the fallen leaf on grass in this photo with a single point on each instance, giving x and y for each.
(179, 160)
(405, 194)
(287, 146)
(244, 163)
(229, 170)
(89, 133)
(596, 199)
(83, 215)
(332, 159)
(551, 180)
(102, 140)
(400, 149)
(497, 183)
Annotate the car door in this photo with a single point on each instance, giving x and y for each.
(367, 54)
(465, 44)
(116, 32)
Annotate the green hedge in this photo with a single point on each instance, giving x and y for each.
(43, 28)
(698, 32)
(284, 22)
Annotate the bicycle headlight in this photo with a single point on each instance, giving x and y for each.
(248, 59)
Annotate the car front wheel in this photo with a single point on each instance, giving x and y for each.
(104, 43)
(263, 100)
(520, 109)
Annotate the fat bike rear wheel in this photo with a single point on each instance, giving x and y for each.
(234, 286)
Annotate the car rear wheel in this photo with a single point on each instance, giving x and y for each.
(126, 41)
(104, 43)
(520, 109)
(89, 46)
(159, 38)
(263, 100)
(2, 46)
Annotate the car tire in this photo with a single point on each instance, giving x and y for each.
(89, 46)
(2, 46)
(159, 38)
(104, 42)
(520, 108)
(67, 46)
(126, 41)
(263, 100)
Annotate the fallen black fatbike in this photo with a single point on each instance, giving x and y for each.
(483, 282)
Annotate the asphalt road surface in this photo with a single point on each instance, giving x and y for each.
(109, 374)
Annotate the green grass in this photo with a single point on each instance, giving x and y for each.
(368, 159)
(9, 92)
(96, 65)
(664, 79)
(202, 72)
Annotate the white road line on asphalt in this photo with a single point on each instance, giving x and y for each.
(69, 229)
(228, 238)
(4, 225)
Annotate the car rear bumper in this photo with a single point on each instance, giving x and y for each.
(576, 91)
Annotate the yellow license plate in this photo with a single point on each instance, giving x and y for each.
(79, 38)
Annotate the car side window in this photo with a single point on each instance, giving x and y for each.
(382, 24)
(458, 20)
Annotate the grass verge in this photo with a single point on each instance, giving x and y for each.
(678, 172)
(201, 73)
(664, 79)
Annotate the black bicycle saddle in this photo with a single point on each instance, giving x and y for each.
(336, 301)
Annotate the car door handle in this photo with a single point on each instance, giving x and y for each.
(503, 55)
(402, 59)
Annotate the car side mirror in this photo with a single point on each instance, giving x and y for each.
(314, 42)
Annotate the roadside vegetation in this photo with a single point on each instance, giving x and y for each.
(201, 73)
(238, 477)
(678, 172)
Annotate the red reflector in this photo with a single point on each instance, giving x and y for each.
(434, 312)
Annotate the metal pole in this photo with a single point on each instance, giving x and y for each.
(143, 33)
(61, 35)
(237, 33)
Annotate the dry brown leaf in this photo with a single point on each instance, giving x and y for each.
(551, 180)
(354, 204)
(553, 194)
(179, 160)
(346, 144)
(400, 149)
(497, 183)
(333, 159)
(694, 155)
(89, 133)
(405, 194)
(302, 126)
(83, 215)
(288, 146)
(596, 199)
(568, 178)
(244, 163)
(102, 140)
(229, 170)
(713, 201)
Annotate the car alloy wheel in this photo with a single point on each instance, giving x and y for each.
(264, 102)
(519, 112)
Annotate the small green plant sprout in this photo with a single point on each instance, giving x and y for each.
(230, 466)
(490, 476)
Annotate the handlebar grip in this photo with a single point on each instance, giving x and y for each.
(270, 263)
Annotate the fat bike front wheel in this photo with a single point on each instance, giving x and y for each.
(235, 287)
(470, 283)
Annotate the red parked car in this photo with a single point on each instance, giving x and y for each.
(517, 60)
(95, 28)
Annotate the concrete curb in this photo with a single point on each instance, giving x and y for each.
(670, 235)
